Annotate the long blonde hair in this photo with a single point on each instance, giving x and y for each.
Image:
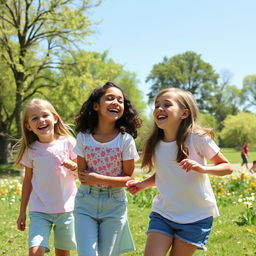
(188, 125)
(28, 137)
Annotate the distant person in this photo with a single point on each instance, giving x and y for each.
(46, 153)
(245, 154)
(253, 168)
(183, 211)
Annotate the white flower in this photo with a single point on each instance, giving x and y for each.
(240, 200)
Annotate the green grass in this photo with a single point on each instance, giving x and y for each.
(234, 155)
(226, 239)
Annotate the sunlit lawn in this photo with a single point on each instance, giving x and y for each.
(234, 155)
(233, 233)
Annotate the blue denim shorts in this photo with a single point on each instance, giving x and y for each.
(195, 233)
(101, 223)
(245, 159)
(41, 225)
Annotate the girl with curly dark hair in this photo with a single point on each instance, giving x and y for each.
(107, 124)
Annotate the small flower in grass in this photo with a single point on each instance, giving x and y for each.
(240, 200)
(248, 204)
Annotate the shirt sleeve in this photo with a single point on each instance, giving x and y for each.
(206, 146)
(129, 150)
(71, 145)
(26, 160)
(79, 147)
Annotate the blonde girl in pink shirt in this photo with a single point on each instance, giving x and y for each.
(46, 152)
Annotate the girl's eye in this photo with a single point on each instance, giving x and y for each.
(34, 119)
(45, 115)
(110, 97)
(120, 101)
(164, 106)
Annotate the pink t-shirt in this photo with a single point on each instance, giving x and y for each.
(54, 187)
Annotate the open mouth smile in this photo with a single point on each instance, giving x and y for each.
(113, 110)
(161, 117)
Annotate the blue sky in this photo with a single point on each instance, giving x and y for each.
(139, 33)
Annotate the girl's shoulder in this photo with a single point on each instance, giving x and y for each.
(199, 137)
(126, 136)
(203, 144)
(83, 135)
(67, 139)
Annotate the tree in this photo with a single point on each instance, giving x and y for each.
(226, 100)
(6, 105)
(33, 34)
(85, 71)
(207, 120)
(249, 92)
(239, 128)
(186, 71)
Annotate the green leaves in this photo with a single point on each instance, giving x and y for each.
(186, 71)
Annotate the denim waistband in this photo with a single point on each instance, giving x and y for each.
(99, 190)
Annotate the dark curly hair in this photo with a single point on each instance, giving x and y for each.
(87, 118)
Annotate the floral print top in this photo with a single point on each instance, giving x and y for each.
(106, 158)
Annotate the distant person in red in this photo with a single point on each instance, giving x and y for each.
(244, 154)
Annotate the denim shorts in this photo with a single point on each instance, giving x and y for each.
(245, 159)
(101, 223)
(195, 233)
(41, 225)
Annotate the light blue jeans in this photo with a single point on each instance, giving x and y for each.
(101, 224)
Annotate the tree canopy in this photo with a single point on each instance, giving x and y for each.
(33, 34)
(186, 71)
(249, 92)
(238, 129)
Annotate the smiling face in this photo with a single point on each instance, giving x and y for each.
(41, 121)
(168, 113)
(111, 105)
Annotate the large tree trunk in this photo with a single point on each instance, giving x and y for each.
(4, 151)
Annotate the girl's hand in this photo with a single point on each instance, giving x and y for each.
(21, 222)
(71, 165)
(134, 186)
(88, 178)
(191, 165)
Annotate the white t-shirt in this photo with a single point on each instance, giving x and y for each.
(54, 187)
(184, 197)
(106, 158)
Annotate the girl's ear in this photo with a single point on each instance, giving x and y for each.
(56, 119)
(95, 106)
(185, 114)
(27, 126)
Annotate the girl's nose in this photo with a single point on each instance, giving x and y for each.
(115, 101)
(161, 107)
(41, 119)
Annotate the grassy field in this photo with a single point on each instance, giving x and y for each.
(233, 232)
(234, 156)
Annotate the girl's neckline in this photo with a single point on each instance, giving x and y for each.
(48, 143)
(106, 142)
(168, 142)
